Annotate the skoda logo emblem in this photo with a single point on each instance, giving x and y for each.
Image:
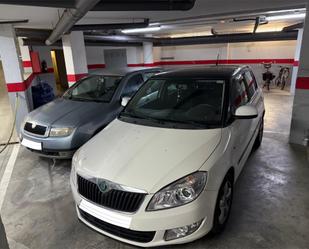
(103, 186)
(33, 125)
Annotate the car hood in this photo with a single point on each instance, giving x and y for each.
(144, 157)
(65, 112)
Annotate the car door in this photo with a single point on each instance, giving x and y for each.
(240, 128)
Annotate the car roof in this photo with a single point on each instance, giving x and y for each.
(122, 71)
(219, 71)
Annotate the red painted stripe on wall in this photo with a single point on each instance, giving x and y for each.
(21, 86)
(96, 66)
(76, 77)
(211, 62)
(302, 83)
(27, 64)
(16, 87)
(296, 63)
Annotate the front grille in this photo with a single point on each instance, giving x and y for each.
(128, 234)
(37, 130)
(114, 199)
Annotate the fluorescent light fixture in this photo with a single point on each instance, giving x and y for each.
(286, 17)
(141, 30)
(154, 24)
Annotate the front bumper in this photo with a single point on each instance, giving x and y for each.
(52, 147)
(142, 222)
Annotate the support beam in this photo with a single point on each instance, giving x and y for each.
(296, 61)
(148, 53)
(13, 73)
(75, 56)
(25, 56)
(300, 118)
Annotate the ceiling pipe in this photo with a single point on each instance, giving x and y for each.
(110, 26)
(227, 38)
(142, 5)
(111, 5)
(41, 42)
(14, 21)
(40, 3)
(69, 18)
(33, 33)
(256, 24)
(123, 40)
(118, 38)
(293, 27)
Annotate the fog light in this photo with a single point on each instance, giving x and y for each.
(181, 232)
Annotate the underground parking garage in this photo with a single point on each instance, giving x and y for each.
(127, 124)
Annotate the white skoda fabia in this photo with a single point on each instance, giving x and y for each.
(163, 172)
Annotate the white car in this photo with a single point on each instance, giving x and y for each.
(163, 172)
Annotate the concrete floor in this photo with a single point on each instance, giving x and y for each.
(270, 210)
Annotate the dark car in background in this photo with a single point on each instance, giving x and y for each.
(60, 127)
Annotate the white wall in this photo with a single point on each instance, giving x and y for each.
(188, 55)
(194, 52)
(262, 50)
(134, 55)
(95, 55)
(259, 51)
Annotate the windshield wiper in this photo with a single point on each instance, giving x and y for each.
(164, 120)
(80, 99)
(133, 115)
(186, 122)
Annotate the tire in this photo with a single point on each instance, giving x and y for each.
(259, 138)
(223, 205)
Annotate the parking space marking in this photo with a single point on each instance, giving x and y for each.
(4, 183)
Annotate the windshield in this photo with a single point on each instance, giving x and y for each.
(190, 102)
(94, 88)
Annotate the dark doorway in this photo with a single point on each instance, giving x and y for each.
(59, 70)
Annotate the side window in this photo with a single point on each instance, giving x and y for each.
(250, 80)
(239, 93)
(133, 84)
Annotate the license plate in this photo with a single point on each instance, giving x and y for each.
(106, 215)
(31, 144)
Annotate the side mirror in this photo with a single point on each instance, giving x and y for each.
(246, 112)
(125, 100)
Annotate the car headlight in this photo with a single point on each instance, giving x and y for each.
(179, 193)
(60, 132)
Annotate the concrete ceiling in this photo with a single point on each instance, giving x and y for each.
(43, 17)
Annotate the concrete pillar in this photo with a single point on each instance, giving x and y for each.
(296, 60)
(148, 53)
(25, 56)
(300, 113)
(75, 56)
(13, 73)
